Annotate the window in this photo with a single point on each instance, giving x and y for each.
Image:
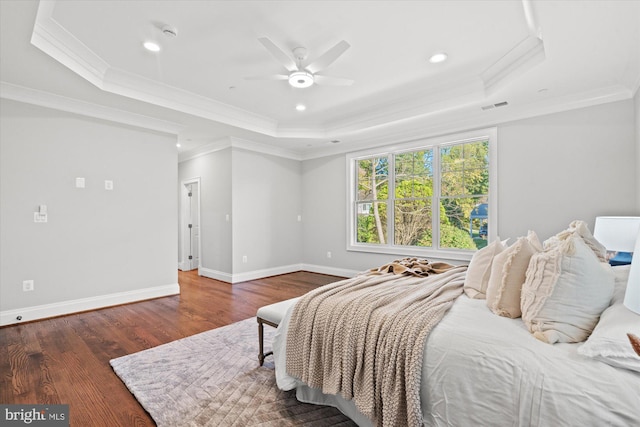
(427, 198)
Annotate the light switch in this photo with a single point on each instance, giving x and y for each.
(79, 182)
(108, 185)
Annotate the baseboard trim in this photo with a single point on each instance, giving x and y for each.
(268, 272)
(214, 274)
(249, 275)
(332, 271)
(9, 317)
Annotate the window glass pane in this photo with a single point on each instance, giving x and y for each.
(464, 195)
(372, 222)
(413, 222)
(373, 178)
(414, 174)
(464, 222)
(465, 169)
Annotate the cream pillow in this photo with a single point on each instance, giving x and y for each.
(609, 342)
(565, 291)
(508, 273)
(581, 229)
(479, 270)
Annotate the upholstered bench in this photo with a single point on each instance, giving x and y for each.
(271, 315)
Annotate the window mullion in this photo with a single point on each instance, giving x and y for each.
(391, 200)
(435, 200)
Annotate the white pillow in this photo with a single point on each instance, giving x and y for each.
(479, 270)
(508, 273)
(609, 342)
(581, 229)
(566, 289)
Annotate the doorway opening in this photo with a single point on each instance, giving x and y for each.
(190, 225)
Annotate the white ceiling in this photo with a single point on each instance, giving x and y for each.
(539, 56)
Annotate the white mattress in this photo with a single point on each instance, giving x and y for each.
(482, 369)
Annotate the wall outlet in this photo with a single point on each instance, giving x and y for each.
(328, 254)
(27, 285)
(244, 259)
(39, 217)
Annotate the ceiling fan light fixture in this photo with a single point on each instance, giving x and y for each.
(300, 79)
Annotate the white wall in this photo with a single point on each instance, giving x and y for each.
(214, 171)
(572, 165)
(266, 203)
(551, 170)
(637, 119)
(324, 201)
(261, 193)
(98, 247)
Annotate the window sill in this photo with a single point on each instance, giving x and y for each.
(427, 253)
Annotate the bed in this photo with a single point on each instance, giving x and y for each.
(479, 368)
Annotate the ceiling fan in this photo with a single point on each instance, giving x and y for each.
(304, 76)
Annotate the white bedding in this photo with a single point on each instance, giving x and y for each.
(483, 369)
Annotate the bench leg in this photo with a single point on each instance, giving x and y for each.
(262, 355)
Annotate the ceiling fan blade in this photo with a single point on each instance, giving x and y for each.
(331, 81)
(279, 54)
(271, 77)
(327, 59)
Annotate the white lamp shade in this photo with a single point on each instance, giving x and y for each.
(617, 233)
(632, 295)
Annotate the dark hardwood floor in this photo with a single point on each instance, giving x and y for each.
(66, 359)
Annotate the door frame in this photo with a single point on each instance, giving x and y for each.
(184, 263)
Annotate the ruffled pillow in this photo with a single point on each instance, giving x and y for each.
(566, 289)
(579, 228)
(508, 273)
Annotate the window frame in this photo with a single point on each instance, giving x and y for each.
(434, 143)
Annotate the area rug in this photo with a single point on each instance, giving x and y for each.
(213, 379)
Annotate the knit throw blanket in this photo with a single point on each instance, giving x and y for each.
(363, 338)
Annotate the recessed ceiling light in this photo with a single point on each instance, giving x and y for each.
(301, 107)
(151, 46)
(438, 57)
(178, 145)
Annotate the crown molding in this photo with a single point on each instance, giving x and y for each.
(430, 111)
(473, 117)
(246, 144)
(83, 108)
(203, 150)
(233, 142)
(522, 57)
(53, 39)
